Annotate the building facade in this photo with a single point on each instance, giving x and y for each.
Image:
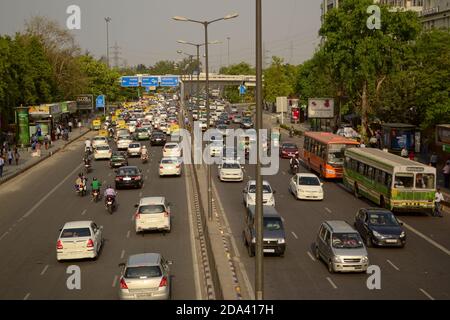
(436, 14)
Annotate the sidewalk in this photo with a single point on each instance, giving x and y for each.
(271, 120)
(27, 161)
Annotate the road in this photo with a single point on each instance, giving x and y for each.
(419, 271)
(35, 205)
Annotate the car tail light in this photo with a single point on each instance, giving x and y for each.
(178, 166)
(137, 215)
(90, 243)
(137, 178)
(59, 245)
(163, 282)
(118, 178)
(166, 214)
(123, 284)
(161, 167)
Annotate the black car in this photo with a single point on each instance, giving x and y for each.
(246, 123)
(118, 159)
(158, 138)
(380, 227)
(129, 176)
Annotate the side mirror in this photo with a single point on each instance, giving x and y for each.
(274, 191)
(60, 230)
(121, 265)
(136, 205)
(401, 223)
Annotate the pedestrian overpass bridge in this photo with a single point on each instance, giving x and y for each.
(220, 80)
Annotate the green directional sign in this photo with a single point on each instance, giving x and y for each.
(22, 121)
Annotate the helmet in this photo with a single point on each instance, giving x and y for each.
(94, 179)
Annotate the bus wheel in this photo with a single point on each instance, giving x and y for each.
(356, 190)
(382, 203)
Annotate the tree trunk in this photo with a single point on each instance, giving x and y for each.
(364, 112)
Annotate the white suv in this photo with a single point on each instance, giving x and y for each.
(153, 213)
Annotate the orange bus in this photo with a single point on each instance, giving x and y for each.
(323, 152)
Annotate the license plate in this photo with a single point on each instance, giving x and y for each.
(269, 250)
(391, 241)
(127, 179)
(109, 202)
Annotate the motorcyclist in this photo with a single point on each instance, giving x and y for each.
(88, 145)
(294, 162)
(95, 185)
(144, 152)
(80, 182)
(110, 192)
(87, 159)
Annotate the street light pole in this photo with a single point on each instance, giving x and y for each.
(259, 263)
(107, 19)
(228, 39)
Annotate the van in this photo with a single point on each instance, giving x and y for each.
(341, 247)
(274, 237)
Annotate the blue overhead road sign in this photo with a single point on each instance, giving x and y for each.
(149, 81)
(169, 81)
(100, 102)
(242, 89)
(130, 81)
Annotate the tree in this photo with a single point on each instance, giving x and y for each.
(362, 59)
(278, 80)
(242, 68)
(164, 67)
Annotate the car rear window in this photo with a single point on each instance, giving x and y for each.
(169, 161)
(134, 145)
(171, 146)
(127, 172)
(289, 146)
(76, 232)
(152, 208)
(102, 148)
(143, 272)
(308, 181)
(231, 166)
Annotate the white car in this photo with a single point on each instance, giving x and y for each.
(79, 240)
(134, 149)
(99, 141)
(132, 128)
(306, 186)
(249, 194)
(231, 170)
(153, 213)
(102, 152)
(216, 149)
(170, 167)
(123, 142)
(171, 149)
(121, 132)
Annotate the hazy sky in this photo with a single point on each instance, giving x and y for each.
(145, 32)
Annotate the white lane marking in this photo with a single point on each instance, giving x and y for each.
(434, 243)
(295, 236)
(122, 254)
(393, 265)
(332, 283)
(27, 296)
(84, 212)
(45, 269)
(427, 294)
(128, 234)
(311, 256)
(4, 235)
(328, 210)
(57, 187)
(115, 281)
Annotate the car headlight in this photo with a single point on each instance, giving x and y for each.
(281, 241)
(377, 235)
(337, 259)
(403, 234)
(365, 259)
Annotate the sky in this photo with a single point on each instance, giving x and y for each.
(145, 31)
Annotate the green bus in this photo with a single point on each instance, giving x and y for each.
(392, 182)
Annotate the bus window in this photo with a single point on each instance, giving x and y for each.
(361, 168)
(424, 181)
(369, 172)
(404, 180)
(336, 154)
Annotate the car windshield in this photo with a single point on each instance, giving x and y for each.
(289, 146)
(127, 172)
(266, 188)
(118, 157)
(134, 145)
(308, 181)
(171, 146)
(152, 208)
(382, 219)
(346, 240)
(125, 138)
(404, 180)
(169, 161)
(272, 224)
(231, 166)
(76, 233)
(336, 154)
(99, 139)
(424, 181)
(143, 272)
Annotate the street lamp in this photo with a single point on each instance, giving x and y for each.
(107, 19)
(205, 25)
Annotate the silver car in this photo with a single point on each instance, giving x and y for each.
(341, 247)
(145, 276)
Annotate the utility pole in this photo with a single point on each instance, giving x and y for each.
(116, 55)
(228, 39)
(291, 53)
(108, 20)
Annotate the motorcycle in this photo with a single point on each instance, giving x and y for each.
(144, 158)
(87, 168)
(294, 168)
(81, 190)
(96, 195)
(110, 204)
(87, 150)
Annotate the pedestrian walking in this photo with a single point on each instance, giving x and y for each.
(79, 123)
(10, 156)
(58, 132)
(446, 172)
(16, 155)
(2, 163)
(433, 159)
(438, 198)
(70, 125)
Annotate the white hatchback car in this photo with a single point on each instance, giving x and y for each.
(99, 141)
(79, 240)
(153, 213)
(249, 194)
(170, 167)
(134, 149)
(123, 142)
(102, 152)
(231, 170)
(306, 186)
(171, 149)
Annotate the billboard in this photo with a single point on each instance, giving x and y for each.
(320, 108)
(85, 102)
(22, 119)
(282, 104)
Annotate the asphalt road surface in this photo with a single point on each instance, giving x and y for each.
(35, 205)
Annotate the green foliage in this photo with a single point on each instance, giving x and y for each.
(278, 80)
(242, 68)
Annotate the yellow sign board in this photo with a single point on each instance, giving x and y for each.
(103, 133)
